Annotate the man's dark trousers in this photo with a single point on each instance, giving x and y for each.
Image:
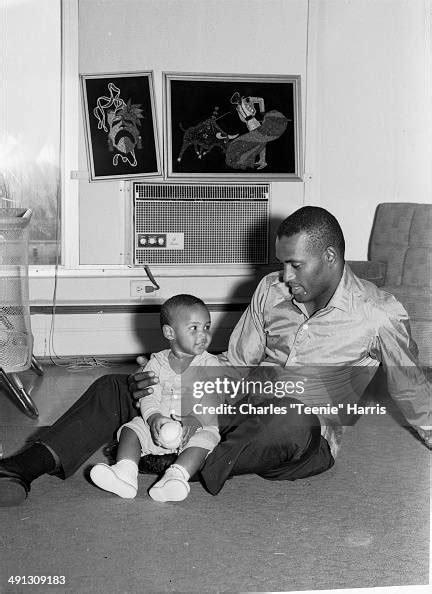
(276, 447)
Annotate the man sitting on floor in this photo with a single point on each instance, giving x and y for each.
(318, 318)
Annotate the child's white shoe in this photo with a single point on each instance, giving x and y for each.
(173, 486)
(115, 479)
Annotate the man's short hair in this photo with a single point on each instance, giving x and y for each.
(321, 227)
(171, 306)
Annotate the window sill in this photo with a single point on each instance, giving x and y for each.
(204, 270)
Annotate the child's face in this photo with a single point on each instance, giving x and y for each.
(192, 330)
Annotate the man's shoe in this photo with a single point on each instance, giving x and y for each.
(153, 464)
(13, 488)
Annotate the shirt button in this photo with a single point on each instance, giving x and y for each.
(305, 327)
(175, 396)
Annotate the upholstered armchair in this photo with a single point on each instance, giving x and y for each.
(400, 261)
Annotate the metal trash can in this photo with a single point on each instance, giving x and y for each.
(16, 339)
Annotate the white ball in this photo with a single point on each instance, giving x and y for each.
(170, 435)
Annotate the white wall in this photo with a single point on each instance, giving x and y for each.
(373, 95)
(369, 93)
(367, 119)
(211, 36)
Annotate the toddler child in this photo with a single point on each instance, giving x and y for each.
(185, 322)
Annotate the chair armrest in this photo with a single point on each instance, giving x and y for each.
(373, 271)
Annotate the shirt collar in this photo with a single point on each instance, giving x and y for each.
(342, 297)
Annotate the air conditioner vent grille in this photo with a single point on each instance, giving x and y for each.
(219, 224)
(202, 191)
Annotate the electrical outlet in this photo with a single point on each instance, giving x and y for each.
(139, 288)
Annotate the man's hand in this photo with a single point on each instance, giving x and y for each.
(140, 381)
(155, 422)
(425, 435)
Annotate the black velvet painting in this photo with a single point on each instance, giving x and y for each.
(120, 122)
(232, 126)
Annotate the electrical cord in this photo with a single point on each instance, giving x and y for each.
(151, 278)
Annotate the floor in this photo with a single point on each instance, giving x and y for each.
(363, 524)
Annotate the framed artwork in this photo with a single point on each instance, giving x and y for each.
(232, 126)
(120, 125)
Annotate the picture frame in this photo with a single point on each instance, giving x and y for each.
(232, 127)
(120, 125)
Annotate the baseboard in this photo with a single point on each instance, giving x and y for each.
(124, 359)
(103, 333)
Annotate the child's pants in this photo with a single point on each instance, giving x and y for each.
(205, 437)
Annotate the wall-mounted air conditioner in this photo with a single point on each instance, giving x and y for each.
(201, 224)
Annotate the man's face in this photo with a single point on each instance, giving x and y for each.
(306, 270)
(192, 330)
